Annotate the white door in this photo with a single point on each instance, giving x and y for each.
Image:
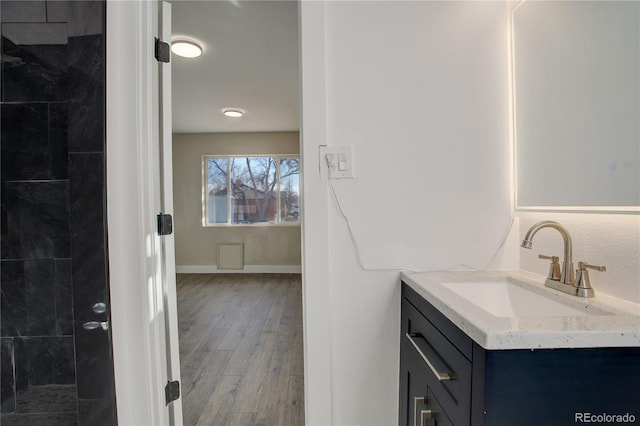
(141, 262)
(166, 201)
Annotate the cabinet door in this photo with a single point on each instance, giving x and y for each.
(417, 392)
(413, 389)
(435, 415)
(420, 405)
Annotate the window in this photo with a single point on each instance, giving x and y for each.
(251, 190)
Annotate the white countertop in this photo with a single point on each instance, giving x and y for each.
(615, 324)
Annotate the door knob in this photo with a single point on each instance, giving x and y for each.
(99, 308)
(92, 325)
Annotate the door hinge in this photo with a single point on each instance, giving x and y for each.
(172, 391)
(163, 51)
(165, 224)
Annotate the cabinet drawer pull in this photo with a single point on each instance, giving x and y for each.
(441, 376)
(425, 414)
(416, 400)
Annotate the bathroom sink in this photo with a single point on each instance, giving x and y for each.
(503, 298)
(515, 310)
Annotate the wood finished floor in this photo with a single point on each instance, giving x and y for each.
(241, 349)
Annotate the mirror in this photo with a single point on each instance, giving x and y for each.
(576, 105)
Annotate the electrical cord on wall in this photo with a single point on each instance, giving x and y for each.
(358, 255)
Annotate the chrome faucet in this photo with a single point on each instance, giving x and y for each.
(563, 280)
(566, 274)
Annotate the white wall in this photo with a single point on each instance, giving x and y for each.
(419, 89)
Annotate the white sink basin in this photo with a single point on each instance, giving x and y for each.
(507, 299)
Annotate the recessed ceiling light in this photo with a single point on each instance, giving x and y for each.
(186, 49)
(233, 112)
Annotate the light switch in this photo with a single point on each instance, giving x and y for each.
(343, 164)
(336, 162)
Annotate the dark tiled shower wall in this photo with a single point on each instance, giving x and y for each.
(53, 247)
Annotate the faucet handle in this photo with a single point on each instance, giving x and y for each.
(582, 283)
(554, 267)
(553, 259)
(583, 266)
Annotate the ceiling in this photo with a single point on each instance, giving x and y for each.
(250, 61)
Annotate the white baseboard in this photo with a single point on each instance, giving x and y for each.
(248, 269)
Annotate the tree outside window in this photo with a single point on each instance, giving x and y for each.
(251, 190)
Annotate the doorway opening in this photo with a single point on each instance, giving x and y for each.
(240, 330)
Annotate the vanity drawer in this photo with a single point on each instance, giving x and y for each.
(448, 371)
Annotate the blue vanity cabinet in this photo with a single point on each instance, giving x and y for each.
(425, 354)
(448, 379)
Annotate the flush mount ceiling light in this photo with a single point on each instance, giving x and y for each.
(233, 112)
(186, 48)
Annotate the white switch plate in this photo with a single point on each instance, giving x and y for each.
(336, 162)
